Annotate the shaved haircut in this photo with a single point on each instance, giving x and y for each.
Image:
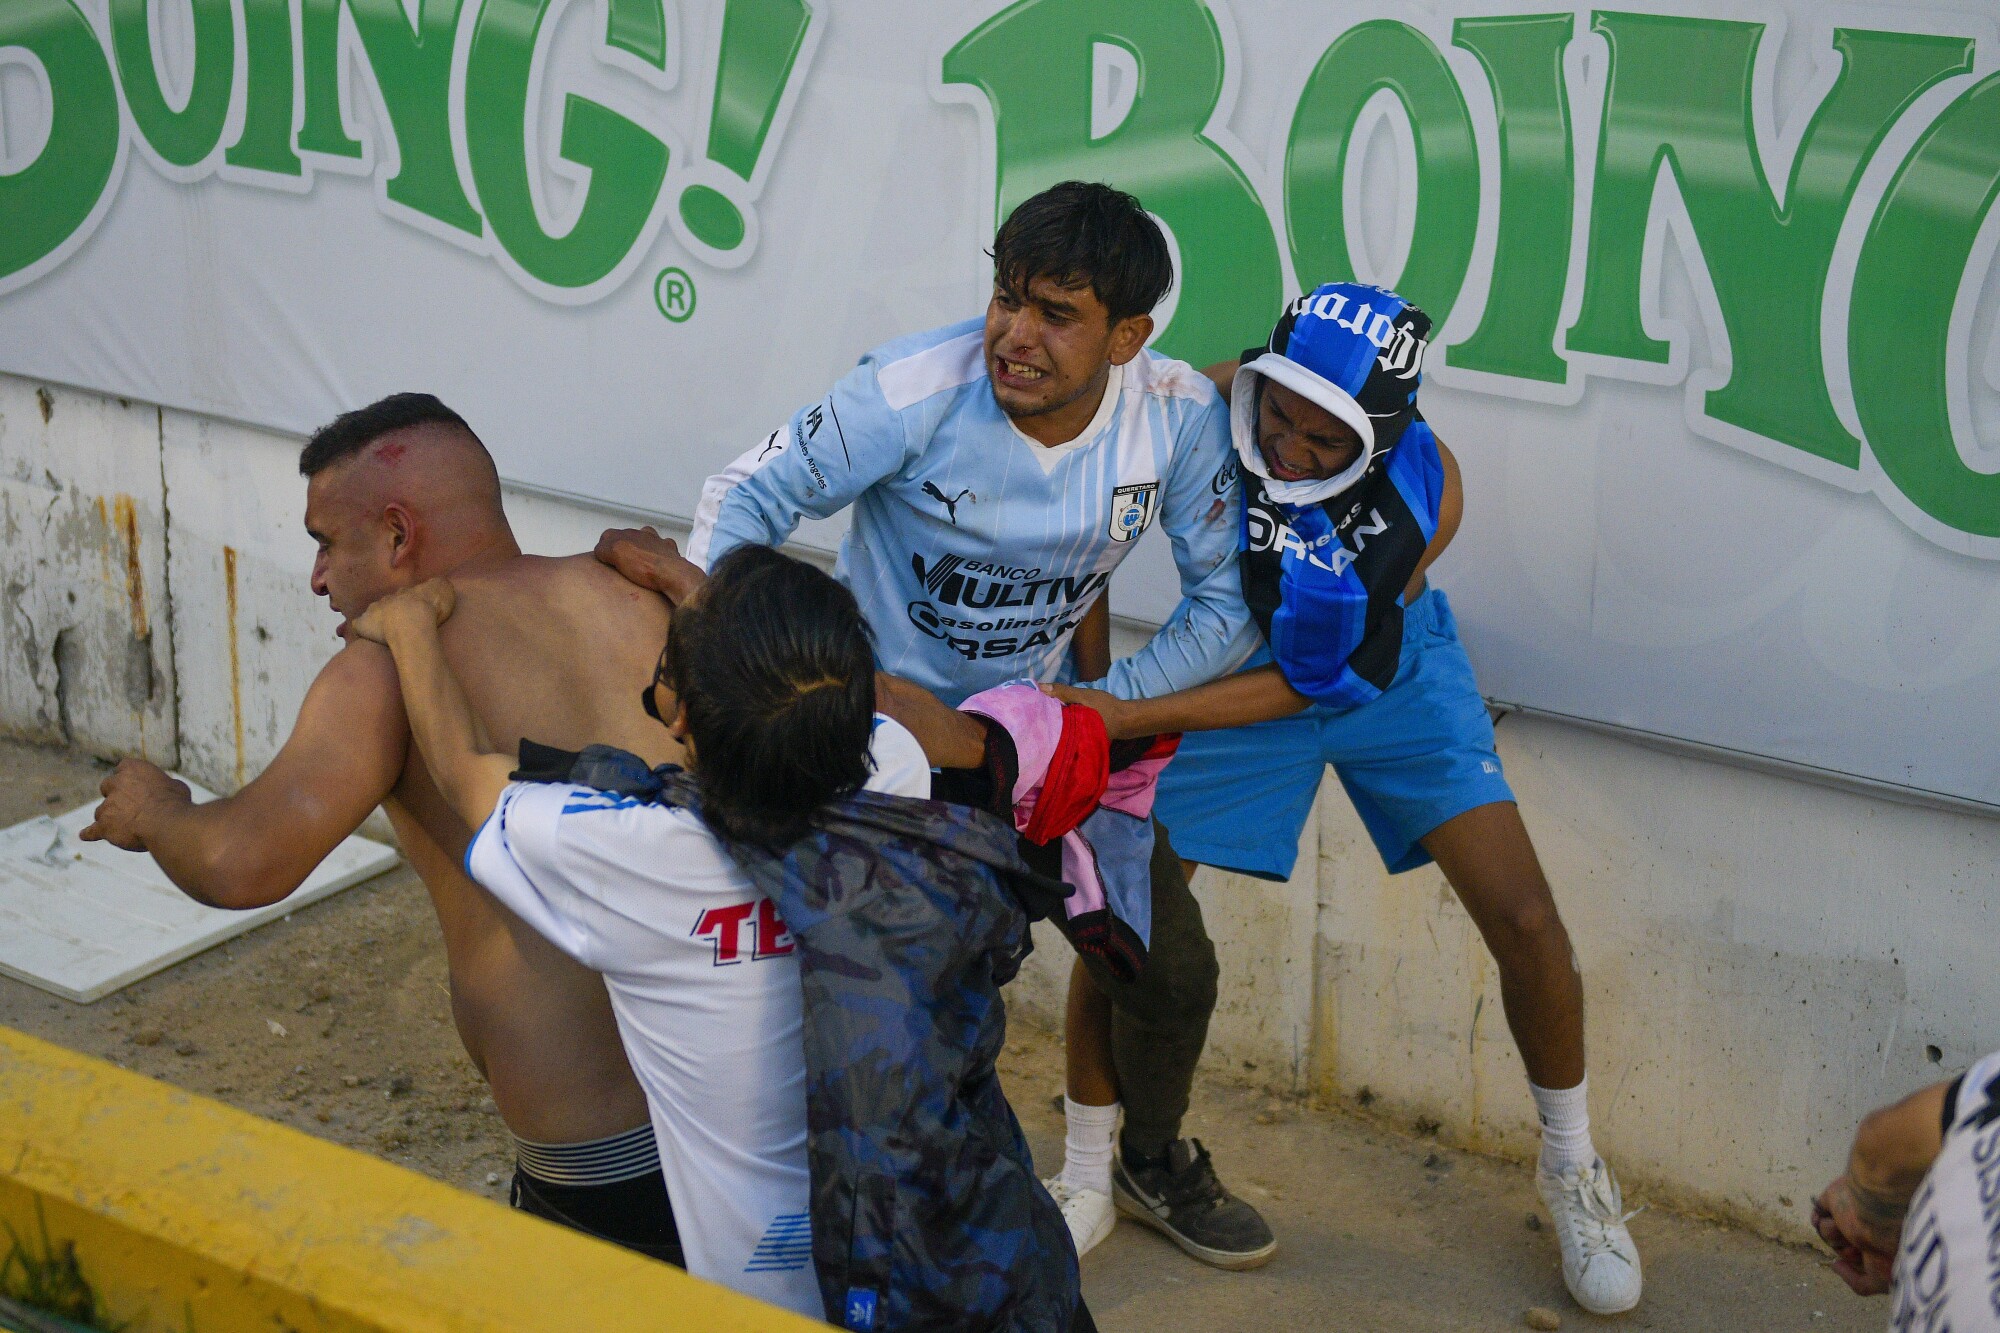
(351, 432)
(410, 447)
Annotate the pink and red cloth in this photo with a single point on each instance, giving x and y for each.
(1072, 785)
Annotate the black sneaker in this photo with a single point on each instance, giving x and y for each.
(1182, 1199)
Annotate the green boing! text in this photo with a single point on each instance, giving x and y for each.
(1570, 165)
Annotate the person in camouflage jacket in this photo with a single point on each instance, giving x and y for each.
(907, 917)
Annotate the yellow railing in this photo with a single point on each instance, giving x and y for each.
(188, 1216)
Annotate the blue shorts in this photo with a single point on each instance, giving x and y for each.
(1419, 754)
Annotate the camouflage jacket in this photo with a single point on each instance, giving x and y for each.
(907, 917)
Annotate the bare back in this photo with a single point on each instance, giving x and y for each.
(558, 651)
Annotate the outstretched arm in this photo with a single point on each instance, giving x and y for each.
(1257, 695)
(344, 756)
(813, 466)
(468, 774)
(1233, 701)
(951, 739)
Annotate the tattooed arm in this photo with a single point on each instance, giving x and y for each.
(1861, 1214)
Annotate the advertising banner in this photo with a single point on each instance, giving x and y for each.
(1714, 282)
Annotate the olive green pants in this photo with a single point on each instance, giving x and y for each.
(1159, 1022)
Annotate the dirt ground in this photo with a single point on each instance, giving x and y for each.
(335, 1021)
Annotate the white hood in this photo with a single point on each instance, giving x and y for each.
(1243, 426)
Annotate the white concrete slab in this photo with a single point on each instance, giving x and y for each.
(83, 919)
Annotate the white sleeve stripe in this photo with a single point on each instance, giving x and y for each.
(716, 490)
(504, 843)
(465, 863)
(951, 363)
(498, 860)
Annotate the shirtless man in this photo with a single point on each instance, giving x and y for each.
(398, 493)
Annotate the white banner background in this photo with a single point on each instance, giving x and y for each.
(1618, 562)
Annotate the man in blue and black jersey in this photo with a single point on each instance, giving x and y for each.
(1349, 499)
(999, 470)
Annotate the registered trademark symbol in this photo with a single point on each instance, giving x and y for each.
(673, 292)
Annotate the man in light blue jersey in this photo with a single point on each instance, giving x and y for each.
(999, 471)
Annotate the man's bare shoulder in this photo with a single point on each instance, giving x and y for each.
(587, 592)
(544, 606)
(587, 571)
(356, 696)
(558, 648)
(347, 747)
(361, 669)
(541, 575)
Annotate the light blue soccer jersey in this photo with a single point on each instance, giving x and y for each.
(976, 551)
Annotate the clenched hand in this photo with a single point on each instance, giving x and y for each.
(1110, 707)
(646, 558)
(431, 602)
(1864, 1252)
(133, 791)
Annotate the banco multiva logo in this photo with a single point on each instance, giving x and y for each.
(983, 610)
(1839, 237)
(981, 585)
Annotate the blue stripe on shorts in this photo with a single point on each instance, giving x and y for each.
(1420, 754)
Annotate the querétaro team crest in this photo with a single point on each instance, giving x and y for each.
(1132, 509)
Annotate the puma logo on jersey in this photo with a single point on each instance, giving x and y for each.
(950, 502)
(725, 928)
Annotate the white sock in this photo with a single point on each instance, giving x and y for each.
(1565, 1119)
(1087, 1146)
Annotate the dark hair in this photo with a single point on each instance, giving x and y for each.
(351, 432)
(1083, 233)
(777, 671)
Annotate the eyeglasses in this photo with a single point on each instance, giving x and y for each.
(659, 679)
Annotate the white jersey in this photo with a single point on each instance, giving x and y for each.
(701, 976)
(1948, 1269)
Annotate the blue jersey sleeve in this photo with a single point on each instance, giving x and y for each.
(1211, 632)
(1326, 581)
(812, 466)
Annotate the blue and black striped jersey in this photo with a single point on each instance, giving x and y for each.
(1325, 581)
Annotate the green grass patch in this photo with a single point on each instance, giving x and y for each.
(43, 1289)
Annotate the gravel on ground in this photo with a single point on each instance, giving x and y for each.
(335, 1020)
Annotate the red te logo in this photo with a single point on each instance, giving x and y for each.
(725, 926)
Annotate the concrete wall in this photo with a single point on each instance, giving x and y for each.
(85, 619)
(1764, 959)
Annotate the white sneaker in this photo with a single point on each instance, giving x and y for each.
(1088, 1212)
(1600, 1263)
